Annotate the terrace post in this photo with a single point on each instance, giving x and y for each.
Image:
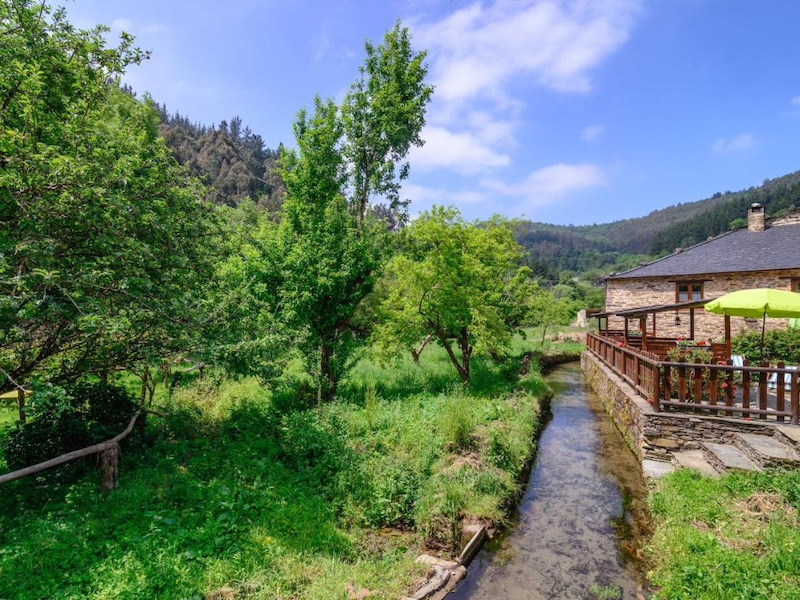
(728, 336)
(643, 329)
(656, 388)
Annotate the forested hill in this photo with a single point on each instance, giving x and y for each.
(591, 249)
(229, 158)
(235, 164)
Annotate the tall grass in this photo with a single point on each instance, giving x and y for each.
(243, 491)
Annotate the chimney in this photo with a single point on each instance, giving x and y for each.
(755, 217)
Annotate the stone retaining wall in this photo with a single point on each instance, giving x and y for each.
(652, 435)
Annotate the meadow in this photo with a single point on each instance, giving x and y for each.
(244, 491)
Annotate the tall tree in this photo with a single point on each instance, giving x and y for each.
(327, 265)
(103, 241)
(332, 247)
(382, 116)
(459, 282)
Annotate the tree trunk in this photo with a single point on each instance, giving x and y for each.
(327, 385)
(415, 354)
(466, 351)
(463, 370)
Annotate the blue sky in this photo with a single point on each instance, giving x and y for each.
(564, 111)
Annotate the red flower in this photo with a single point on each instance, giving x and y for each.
(680, 339)
(724, 385)
(620, 344)
(701, 343)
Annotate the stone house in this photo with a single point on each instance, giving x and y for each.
(766, 253)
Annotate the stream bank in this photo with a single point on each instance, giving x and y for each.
(577, 529)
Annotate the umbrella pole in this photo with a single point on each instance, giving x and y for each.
(763, 326)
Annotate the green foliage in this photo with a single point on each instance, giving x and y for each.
(237, 495)
(779, 345)
(382, 116)
(104, 244)
(458, 282)
(731, 537)
(67, 419)
(310, 275)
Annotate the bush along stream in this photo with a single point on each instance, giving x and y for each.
(237, 492)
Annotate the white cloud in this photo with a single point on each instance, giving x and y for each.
(423, 197)
(461, 152)
(481, 54)
(121, 24)
(548, 184)
(740, 143)
(321, 46)
(155, 28)
(591, 133)
(796, 101)
(478, 50)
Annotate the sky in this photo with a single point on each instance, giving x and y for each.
(561, 111)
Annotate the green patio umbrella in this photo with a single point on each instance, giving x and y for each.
(761, 302)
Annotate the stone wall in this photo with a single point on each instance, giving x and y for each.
(651, 291)
(652, 435)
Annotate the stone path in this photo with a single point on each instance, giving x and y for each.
(746, 452)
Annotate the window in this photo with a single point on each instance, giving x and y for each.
(795, 285)
(689, 290)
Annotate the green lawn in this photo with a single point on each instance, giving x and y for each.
(733, 537)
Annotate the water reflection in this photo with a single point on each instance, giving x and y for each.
(577, 525)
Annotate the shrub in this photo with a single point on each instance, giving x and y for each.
(63, 419)
(779, 346)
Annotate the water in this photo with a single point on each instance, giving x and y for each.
(576, 530)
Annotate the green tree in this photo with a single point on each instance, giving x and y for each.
(459, 282)
(104, 244)
(382, 116)
(328, 262)
(331, 247)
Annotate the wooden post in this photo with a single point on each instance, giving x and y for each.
(691, 323)
(712, 387)
(795, 400)
(780, 403)
(762, 390)
(643, 329)
(625, 332)
(697, 392)
(746, 389)
(656, 403)
(109, 466)
(727, 336)
(21, 404)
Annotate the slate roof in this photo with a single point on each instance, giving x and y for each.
(740, 250)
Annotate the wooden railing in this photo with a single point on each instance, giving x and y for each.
(711, 389)
(109, 459)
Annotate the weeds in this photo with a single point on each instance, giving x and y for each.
(244, 491)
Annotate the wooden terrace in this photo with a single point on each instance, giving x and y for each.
(715, 388)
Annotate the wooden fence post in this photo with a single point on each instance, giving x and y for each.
(656, 388)
(109, 466)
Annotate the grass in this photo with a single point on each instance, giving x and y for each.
(236, 494)
(733, 537)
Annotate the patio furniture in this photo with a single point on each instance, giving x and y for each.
(772, 380)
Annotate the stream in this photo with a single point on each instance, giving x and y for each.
(575, 533)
